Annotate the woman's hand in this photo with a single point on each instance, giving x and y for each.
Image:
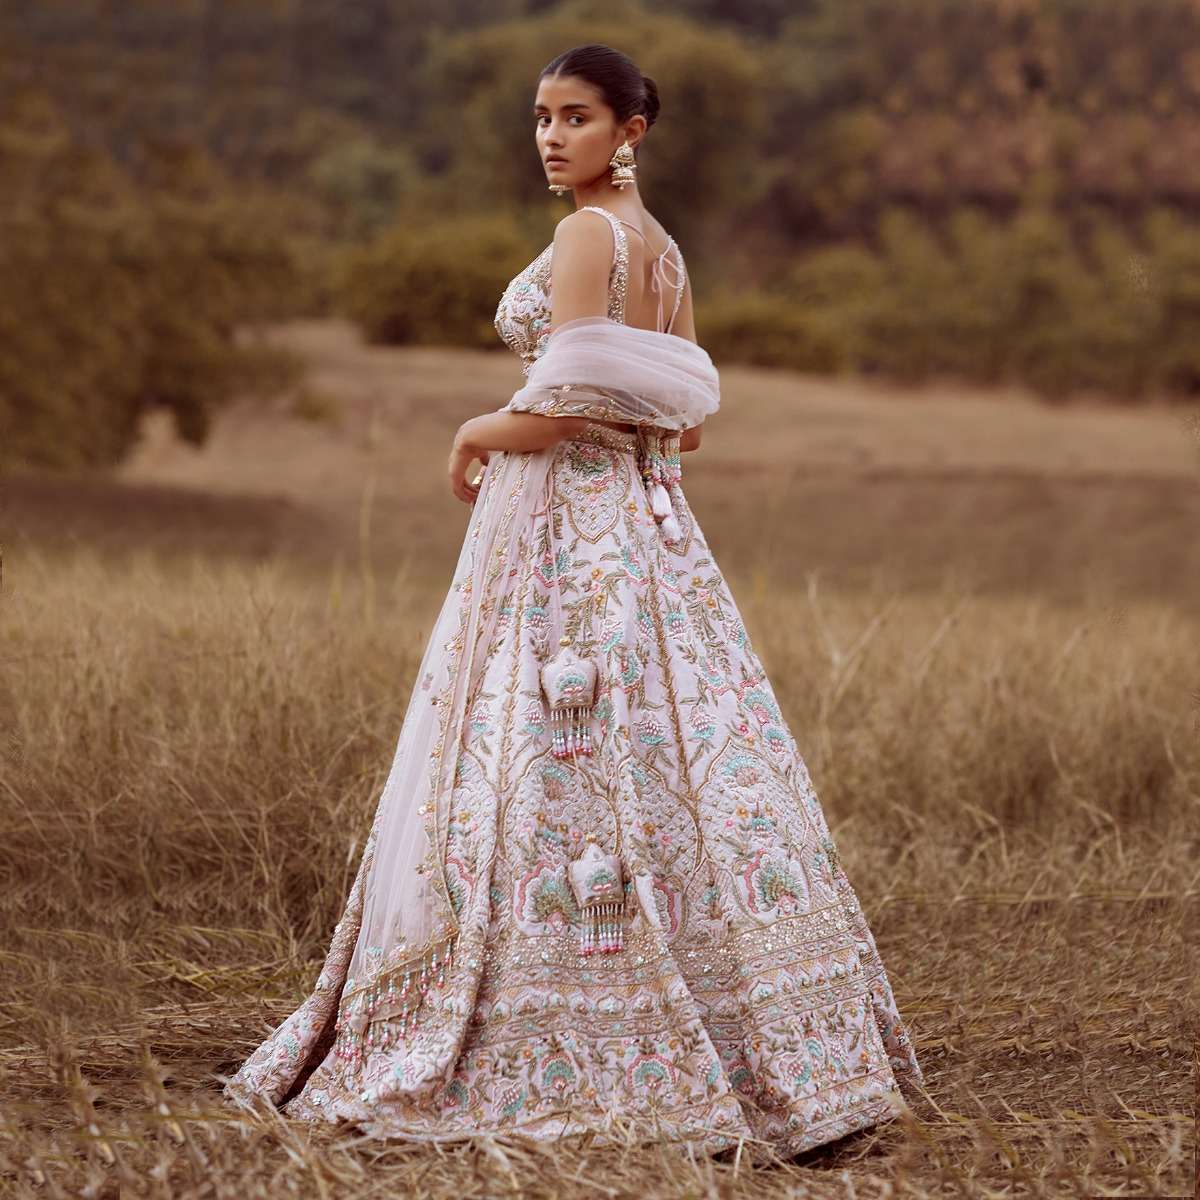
(462, 455)
(512, 432)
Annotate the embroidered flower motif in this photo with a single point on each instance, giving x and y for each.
(456, 1095)
(534, 716)
(611, 636)
(602, 712)
(741, 769)
(742, 1079)
(650, 732)
(545, 898)
(481, 720)
(536, 618)
(631, 668)
(556, 778)
(676, 622)
(651, 1073)
(510, 1098)
(775, 883)
(591, 460)
(775, 740)
(735, 631)
(558, 1072)
(762, 706)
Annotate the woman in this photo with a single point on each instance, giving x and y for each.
(599, 885)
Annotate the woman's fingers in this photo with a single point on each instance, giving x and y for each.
(458, 485)
(459, 461)
(465, 491)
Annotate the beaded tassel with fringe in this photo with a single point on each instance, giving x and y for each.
(570, 686)
(571, 732)
(597, 880)
(384, 1014)
(603, 932)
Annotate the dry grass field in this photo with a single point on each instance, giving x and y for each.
(979, 613)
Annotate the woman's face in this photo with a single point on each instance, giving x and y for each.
(575, 126)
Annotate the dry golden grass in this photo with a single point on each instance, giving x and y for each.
(992, 672)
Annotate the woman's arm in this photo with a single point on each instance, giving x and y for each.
(513, 431)
(580, 265)
(579, 268)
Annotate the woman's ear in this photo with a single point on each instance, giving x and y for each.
(635, 129)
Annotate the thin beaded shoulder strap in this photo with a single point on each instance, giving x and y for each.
(619, 283)
(681, 283)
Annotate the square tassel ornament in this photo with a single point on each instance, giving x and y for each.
(597, 879)
(570, 686)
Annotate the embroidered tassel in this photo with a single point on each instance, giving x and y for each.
(359, 1031)
(569, 683)
(596, 878)
(603, 932)
(659, 471)
(660, 501)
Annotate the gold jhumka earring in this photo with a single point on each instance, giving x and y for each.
(623, 165)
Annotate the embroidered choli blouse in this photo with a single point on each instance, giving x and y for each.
(523, 314)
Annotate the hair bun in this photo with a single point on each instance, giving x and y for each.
(652, 105)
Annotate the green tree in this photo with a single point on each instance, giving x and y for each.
(115, 298)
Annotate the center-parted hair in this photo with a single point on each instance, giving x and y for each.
(615, 75)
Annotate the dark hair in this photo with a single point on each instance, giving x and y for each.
(615, 75)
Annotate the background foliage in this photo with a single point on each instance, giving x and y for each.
(1002, 190)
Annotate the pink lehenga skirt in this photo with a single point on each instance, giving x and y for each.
(729, 986)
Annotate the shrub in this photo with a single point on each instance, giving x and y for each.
(769, 331)
(433, 284)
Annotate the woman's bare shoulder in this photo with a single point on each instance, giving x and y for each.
(583, 227)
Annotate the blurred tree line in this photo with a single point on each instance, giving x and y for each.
(989, 189)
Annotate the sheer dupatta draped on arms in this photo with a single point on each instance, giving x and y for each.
(416, 901)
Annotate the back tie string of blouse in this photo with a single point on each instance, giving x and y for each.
(658, 278)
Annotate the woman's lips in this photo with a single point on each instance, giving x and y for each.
(556, 162)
